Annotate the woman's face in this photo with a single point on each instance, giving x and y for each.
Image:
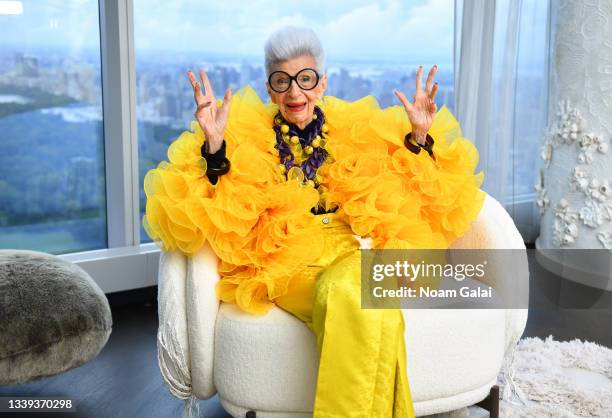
(297, 105)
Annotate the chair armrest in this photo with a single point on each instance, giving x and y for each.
(202, 307)
(172, 334)
(495, 229)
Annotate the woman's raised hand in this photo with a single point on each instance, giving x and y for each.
(212, 119)
(422, 110)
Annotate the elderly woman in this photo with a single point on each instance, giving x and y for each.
(287, 192)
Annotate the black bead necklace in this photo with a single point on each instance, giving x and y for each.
(301, 154)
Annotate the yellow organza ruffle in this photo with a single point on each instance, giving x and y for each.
(260, 225)
(401, 199)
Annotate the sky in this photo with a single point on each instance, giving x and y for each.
(419, 30)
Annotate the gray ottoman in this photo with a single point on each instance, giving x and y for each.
(53, 316)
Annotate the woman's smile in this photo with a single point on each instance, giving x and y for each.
(296, 106)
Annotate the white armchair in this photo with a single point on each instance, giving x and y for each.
(267, 365)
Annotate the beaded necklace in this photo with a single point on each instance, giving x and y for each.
(302, 157)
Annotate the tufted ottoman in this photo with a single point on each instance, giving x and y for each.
(53, 316)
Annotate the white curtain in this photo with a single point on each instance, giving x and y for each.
(501, 89)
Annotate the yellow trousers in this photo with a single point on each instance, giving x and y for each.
(362, 363)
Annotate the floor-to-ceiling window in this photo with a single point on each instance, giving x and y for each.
(52, 187)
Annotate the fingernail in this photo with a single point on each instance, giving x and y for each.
(436, 66)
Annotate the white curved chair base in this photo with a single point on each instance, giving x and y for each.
(451, 403)
(240, 412)
(269, 363)
(420, 408)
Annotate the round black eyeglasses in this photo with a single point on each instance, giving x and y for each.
(306, 79)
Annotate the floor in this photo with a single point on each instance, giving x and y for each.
(566, 309)
(124, 379)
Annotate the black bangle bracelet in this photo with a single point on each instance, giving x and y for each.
(221, 170)
(415, 147)
(219, 154)
(216, 164)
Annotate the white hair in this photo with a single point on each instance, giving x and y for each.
(291, 42)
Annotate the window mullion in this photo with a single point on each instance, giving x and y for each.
(120, 136)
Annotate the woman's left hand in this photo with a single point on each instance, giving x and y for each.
(422, 110)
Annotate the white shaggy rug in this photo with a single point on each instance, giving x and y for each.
(551, 378)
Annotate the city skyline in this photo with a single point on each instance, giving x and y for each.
(164, 96)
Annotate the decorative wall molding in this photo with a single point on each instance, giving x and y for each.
(542, 199)
(565, 226)
(597, 203)
(606, 240)
(568, 130)
(589, 144)
(574, 196)
(568, 125)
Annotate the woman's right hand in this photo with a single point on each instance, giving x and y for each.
(212, 120)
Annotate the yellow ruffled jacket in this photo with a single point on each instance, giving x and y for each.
(260, 225)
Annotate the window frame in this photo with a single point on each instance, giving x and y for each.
(126, 263)
(120, 129)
